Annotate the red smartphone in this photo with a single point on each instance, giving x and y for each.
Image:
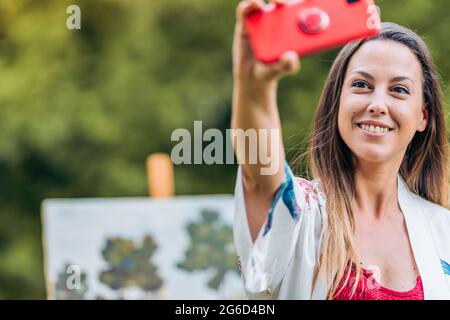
(308, 26)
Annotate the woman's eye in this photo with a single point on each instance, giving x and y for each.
(401, 90)
(360, 84)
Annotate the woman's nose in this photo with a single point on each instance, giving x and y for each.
(378, 107)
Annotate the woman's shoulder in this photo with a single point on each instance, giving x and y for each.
(435, 211)
(431, 209)
(437, 216)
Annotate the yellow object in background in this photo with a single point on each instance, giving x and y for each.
(160, 175)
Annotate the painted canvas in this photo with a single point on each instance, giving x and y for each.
(141, 248)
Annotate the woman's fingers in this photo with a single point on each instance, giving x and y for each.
(289, 63)
(278, 1)
(242, 51)
(243, 58)
(247, 6)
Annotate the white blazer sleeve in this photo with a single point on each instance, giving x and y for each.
(291, 231)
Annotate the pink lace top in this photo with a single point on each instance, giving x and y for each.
(369, 289)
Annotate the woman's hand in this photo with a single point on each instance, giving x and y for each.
(246, 69)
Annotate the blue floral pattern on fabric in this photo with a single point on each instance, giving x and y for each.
(446, 267)
(285, 192)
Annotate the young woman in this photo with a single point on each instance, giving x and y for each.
(373, 222)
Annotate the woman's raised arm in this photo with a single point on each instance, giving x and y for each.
(255, 108)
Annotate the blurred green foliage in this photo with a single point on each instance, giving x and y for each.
(81, 110)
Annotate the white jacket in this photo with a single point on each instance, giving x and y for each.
(281, 262)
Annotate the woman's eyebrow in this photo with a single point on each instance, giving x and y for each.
(394, 79)
(401, 78)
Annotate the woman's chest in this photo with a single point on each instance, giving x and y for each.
(384, 249)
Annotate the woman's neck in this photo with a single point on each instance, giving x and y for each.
(375, 190)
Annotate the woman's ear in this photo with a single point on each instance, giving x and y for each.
(425, 117)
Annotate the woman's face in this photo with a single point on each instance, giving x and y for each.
(381, 104)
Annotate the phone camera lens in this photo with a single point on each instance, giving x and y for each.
(313, 20)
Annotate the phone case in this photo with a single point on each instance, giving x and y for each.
(308, 26)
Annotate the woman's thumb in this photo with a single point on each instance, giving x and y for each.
(289, 63)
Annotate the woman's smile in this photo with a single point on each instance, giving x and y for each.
(373, 131)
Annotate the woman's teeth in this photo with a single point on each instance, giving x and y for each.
(374, 129)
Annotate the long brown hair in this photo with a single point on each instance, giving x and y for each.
(424, 168)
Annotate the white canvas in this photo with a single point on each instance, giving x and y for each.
(75, 232)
